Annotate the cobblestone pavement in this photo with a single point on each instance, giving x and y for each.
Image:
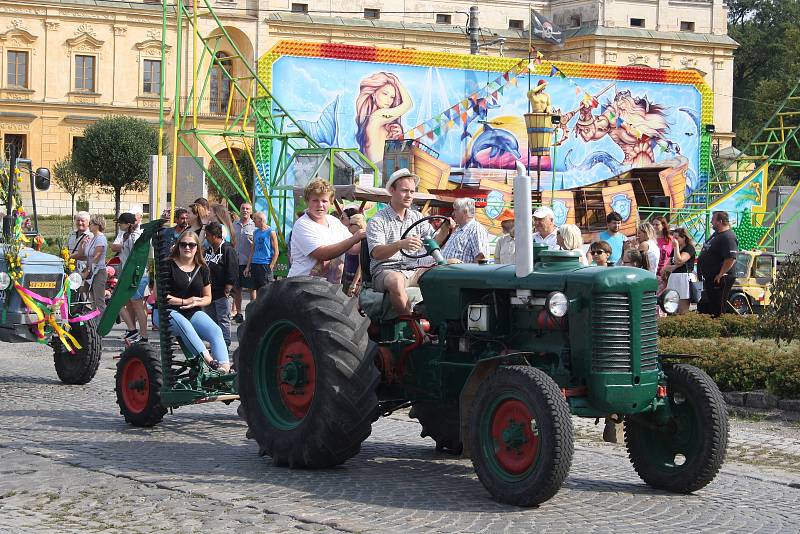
(69, 463)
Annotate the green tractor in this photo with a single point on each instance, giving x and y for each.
(39, 300)
(493, 363)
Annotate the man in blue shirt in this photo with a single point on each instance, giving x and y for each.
(613, 236)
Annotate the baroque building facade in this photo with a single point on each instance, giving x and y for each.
(65, 65)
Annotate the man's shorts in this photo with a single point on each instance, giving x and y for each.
(245, 282)
(411, 276)
(261, 275)
(141, 291)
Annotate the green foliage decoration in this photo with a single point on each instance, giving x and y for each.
(781, 320)
(748, 234)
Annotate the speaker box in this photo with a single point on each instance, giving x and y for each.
(660, 201)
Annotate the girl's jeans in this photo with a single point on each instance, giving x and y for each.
(198, 329)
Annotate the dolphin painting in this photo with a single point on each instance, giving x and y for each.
(599, 157)
(480, 110)
(500, 143)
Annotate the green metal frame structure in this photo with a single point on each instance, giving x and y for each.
(248, 117)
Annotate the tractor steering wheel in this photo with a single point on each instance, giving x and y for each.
(426, 253)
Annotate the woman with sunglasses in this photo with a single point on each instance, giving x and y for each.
(600, 252)
(189, 292)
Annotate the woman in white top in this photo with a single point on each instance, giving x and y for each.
(648, 245)
(95, 273)
(569, 237)
(319, 240)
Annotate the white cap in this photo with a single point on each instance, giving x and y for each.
(543, 212)
(401, 173)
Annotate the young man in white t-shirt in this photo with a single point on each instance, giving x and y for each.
(320, 240)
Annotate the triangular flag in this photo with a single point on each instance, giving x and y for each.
(430, 135)
(619, 121)
(421, 129)
(465, 103)
(494, 95)
(464, 116)
(451, 123)
(437, 130)
(553, 70)
(447, 113)
(506, 76)
(577, 90)
(514, 82)
(501, 90)
(483, 104)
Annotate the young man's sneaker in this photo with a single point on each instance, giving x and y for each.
(135, 338)
(129, 334)
(238, 318)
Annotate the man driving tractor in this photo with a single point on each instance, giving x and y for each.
(392, 272)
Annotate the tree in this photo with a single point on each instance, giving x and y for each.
(224, 183)
(114, 153)
(69, 180)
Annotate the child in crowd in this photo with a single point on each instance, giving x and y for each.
(600, 252)
(263, 252)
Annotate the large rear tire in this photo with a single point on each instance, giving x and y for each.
(306, 383)
(79, 368)
(520, 436)
(138, 385)
(440, 423)
(686, 452)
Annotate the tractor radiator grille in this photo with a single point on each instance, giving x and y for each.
(613, 334)
(649, 332)
(44, 284)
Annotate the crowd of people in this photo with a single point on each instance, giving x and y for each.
(217, 256)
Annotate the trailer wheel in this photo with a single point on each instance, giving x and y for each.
(79, 368)
(520, 436)
(440, 424)
(684, 453)
(138, 386)
(306, 383)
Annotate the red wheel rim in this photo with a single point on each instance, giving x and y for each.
(515, 435)
(296, 374)
(135, 385)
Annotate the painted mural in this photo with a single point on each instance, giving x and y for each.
(474, 118)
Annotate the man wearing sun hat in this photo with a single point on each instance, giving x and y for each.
(546, 229)
(392, 272)
(504, 248)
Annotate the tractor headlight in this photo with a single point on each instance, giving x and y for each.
(5, 281)
(75, 281)
(557, 304)
(670, 301)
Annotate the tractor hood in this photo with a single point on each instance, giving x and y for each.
(30, 256)
(446, 289)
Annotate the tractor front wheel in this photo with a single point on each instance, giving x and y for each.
(685, 452)
(520, 436)
(138, 385)
(79, 367)
(306, 379)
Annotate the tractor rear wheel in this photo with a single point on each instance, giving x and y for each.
(138, 385)
(440, 423)
(520, 436)
(79, 368)
(685, 453)
(306, 381)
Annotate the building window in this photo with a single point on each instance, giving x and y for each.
(17, 69)
(444, 19)
(516, 24)
(151, 77)
(17, 140)
(575, 21)
(637, 23)
(373, 14)
(84, 73)
(220, 90)
(687, 26)
(76, 142)
(299, 8)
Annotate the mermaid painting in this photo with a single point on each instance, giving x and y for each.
(382, 101)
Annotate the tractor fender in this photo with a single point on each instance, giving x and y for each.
(480, 372)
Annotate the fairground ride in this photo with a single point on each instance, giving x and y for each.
(247, 118)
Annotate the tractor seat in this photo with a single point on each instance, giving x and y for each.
(378, 306)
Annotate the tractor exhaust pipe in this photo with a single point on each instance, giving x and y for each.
(523, 229)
